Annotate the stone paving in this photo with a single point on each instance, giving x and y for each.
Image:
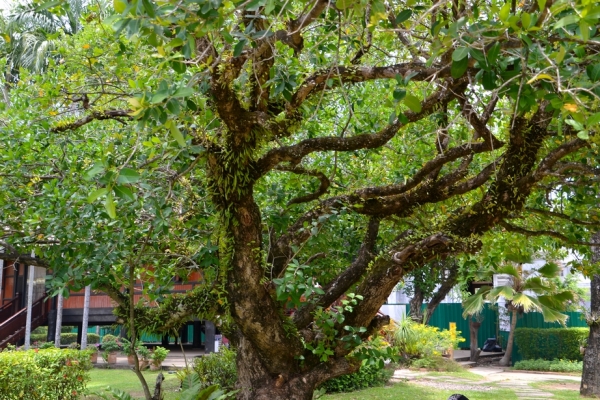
(518, 381)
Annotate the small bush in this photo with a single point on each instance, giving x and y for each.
(553, 366)
(43, 374)
(217, 369)
(415, 340)
(550, 344)
(65, 338)
(436, 363)
(367, 376)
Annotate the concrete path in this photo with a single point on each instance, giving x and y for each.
(514, 380)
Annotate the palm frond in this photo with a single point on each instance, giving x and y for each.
(551, 315)
(536, 284)
(502, 291)
(527, 302)
(549, 270)
(508, 269)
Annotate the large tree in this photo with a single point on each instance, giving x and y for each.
(297, 152)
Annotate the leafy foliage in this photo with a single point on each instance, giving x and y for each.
(59, 374)
(361, 139)
(214, 369)
(366, 376)
(550, 365)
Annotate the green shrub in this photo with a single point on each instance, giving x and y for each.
(436, 363)
(416, 340)
(367, 376)
(43, 374)
(553, 366)
(65, 338)
(217, 369)
(550, 344)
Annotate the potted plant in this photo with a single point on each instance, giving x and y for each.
(128, 350)
(93, 351)
(158, 356)
(143, 356)
(110, 347)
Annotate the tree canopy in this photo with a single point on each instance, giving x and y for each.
(298, 153)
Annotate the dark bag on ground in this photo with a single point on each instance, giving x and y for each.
(491, 345)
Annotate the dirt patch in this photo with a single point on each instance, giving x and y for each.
(560, 386)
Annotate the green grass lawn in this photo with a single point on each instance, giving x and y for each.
(127, 381)
(418, 392)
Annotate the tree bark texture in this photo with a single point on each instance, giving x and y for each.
(505, 361)
(473, 345)
(590, 379)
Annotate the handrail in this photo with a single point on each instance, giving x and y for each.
(13, 329)
(10, 308)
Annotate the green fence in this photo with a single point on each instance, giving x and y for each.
(105, 330)
(446, 313)
(452, 312)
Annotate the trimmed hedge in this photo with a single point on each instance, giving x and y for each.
(65, 338)
(551, 343)
(48, 374)
(367, 376)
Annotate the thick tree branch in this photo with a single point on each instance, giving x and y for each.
(303, 171)
(94, 115)
(553, 234)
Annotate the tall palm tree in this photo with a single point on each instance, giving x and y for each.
(523, 293)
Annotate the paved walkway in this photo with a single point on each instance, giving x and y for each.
(514, 380)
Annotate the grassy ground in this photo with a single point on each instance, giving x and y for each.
(412, 391)
(127, 381)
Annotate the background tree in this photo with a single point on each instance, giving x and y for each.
(297, 153)
(526, 291)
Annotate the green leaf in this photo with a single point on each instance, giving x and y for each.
(95, 170)
(504, 11)
(95, 194)
(594, 119)
(403, 16)
(124, 192)
(239, 47)
(254, 5)
(489, 80)
(460, 53)
(458, 68)
(399, 94)
(159, 96)
(128, 175)
(149, 8)
(413, 103)
(183, 92)
(119, 5)
(176, 133)
(583, 135)
(568, 20)
(109, 205)
(593, 72)
(493, 53)
(576, 125)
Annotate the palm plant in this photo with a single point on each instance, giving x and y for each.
(32, 30)
(523, 293)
